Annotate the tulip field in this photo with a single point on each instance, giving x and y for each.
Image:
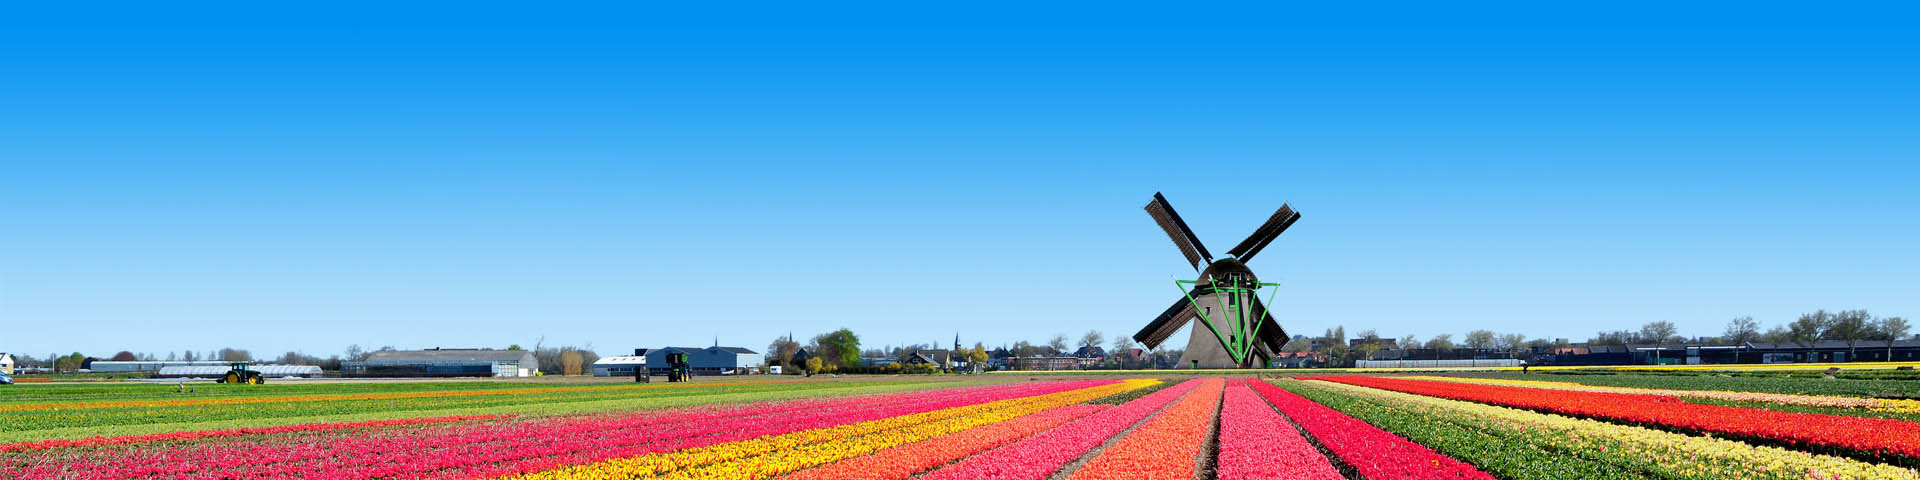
(1374, 427)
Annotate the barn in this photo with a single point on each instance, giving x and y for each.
(443, 362)
(714, 360)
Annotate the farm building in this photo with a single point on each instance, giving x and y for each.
(443, 362)
(153, 365)
(6, 363)
(715, 360)
(618, 366)
(1045, 363)
(213, 371)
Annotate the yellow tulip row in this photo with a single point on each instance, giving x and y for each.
(1673, 455)
(1876, 404)
(778, 454)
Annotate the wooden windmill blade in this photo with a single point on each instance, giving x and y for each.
(1183, 237)
(1170, 321)
(1264, 235)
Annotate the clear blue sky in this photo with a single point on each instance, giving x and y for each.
(474, 174)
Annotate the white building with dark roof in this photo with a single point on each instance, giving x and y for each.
(714, 360)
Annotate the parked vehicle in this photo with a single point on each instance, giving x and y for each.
(6, 379)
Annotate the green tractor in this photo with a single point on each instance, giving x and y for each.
(241, 374)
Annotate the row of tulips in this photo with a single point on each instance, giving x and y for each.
(787, 460)
(1167, 446)
(277, 399)
(1375, 453)
(905, 460)
(1861, 434)
(1256, 442)
(234, 432)
(1039, 456)
(493, 448)
(1524, 445)
(1830, 401)
(790, 451)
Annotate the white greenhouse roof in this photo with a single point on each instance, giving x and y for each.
(622, 360)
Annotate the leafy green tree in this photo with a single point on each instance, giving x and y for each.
(840, 348)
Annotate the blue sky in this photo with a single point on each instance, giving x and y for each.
(482, 174)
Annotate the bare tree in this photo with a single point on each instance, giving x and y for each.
(1512, 343)
(1850, 326)
(1741, 330)
(1091, 340)
(1809, 328)
(1891, 329)
(1480, 339)
(1058, 343)
(1409, 342)
(1440, 343)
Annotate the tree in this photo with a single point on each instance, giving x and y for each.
(814, 364)
(189, 356)
(1809, 328)
(1777, 334)
(1058, 343)
(781, 350)
(354, 353)
(1367, 349)
(570, 362)
(1122, 349)
(1891, 329)
(1510, 341)
(1616, 337)
(514, 347)
(1091, 340)
(231, 354)
(1409, 342)
(1741, 330)
(977, 357)
(124, 356)
(1658, 332)
(1851, 326)
(1480, 339)
(1337, 335)
(840, 348)
(1440, 343)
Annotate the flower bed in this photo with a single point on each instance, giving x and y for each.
(1377, 454)
(1869, 435)
(1039, 456)
(905, 460)
(1256, 442)
(1167, 447)
(1522, 444)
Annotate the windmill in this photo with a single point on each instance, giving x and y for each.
(1235, 330)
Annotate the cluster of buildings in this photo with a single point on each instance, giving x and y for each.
(714, 360)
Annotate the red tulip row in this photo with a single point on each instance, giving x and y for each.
(1375, 453)
(493, 448)
(1039, 456)
(1168, 446)
(1256, 442)
(905, 460)
(235, 432)
(1863, 434)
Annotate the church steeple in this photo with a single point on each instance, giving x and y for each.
(956, 341)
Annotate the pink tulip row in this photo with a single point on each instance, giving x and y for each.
(1039, 456)
(1168, 446)
(905, 460)
(494, 448)
(1376, 453)
(1256, 442)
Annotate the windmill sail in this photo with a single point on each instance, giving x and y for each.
(1177, 230)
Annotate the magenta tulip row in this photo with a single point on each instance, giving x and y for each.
(1039, 456)
(1256, 442)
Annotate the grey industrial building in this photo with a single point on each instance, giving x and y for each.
(153, 365)
(715, 360)
(443, 362)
